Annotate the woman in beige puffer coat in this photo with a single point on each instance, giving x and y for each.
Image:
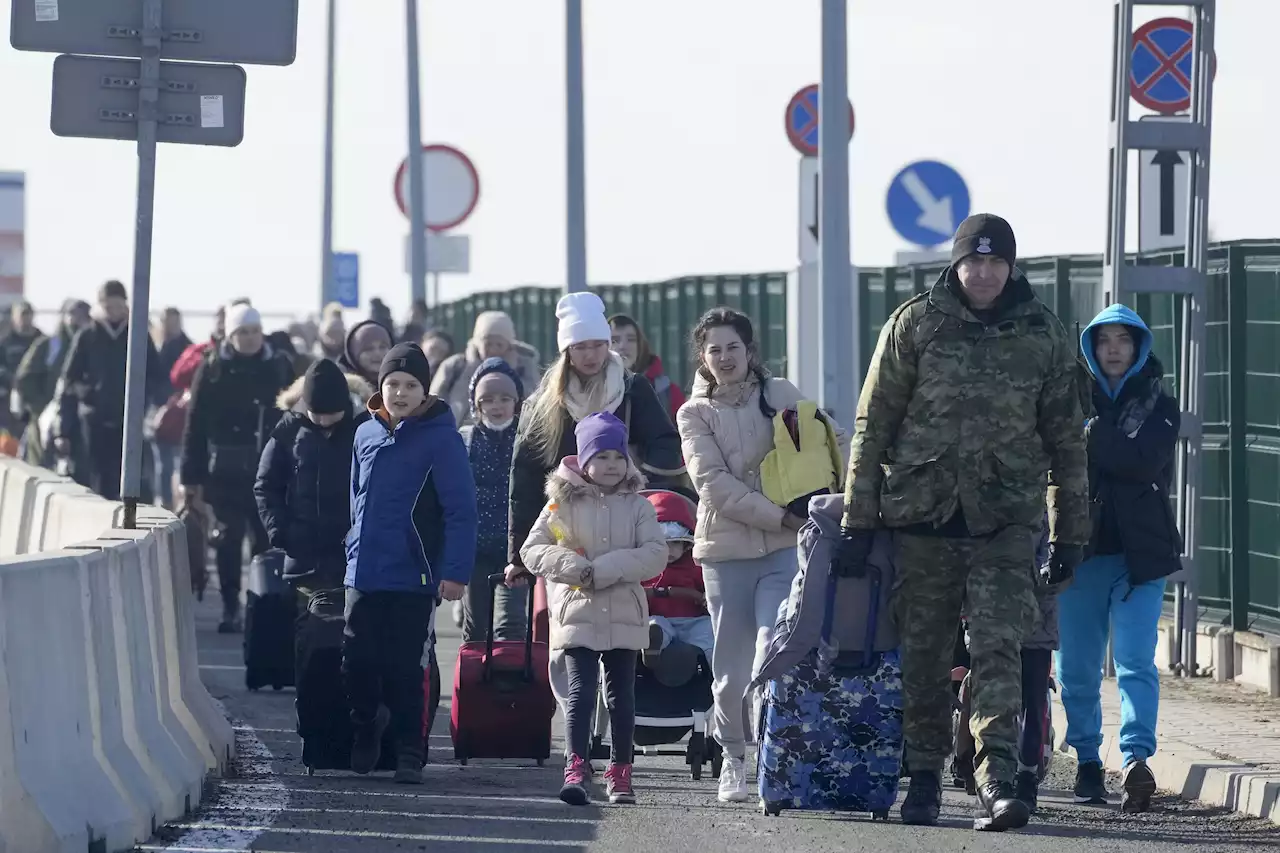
(745, 542)
(596, 541)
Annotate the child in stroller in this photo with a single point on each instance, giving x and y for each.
(673, 681)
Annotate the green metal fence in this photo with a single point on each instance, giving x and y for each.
(1239, 551)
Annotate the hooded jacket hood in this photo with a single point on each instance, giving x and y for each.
(1116, 314)
(348, 361)
(569, 482)
(673, 507)
(290, 399)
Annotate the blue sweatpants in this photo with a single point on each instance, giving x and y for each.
(1100, 596)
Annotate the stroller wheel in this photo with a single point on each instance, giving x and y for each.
(599, 752)
(717, 761)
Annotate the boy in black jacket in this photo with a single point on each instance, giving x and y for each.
(303, 488)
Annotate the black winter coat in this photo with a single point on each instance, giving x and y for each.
(303, 492)
(1130, 474)
(650, 433)
(93, 377)
(230, 416)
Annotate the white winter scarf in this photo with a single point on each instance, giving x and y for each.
(606, 396)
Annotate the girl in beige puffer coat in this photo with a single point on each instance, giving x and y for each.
(595, 542)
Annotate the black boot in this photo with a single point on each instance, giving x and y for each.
(1027, 788)
(1091, 784)
(924, 799)
(408, 767)
(1003, 810)
(1139, 788)
(230, 623)
(409, 761)
(366, 747)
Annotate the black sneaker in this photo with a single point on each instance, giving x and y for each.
(1004, 810)
(924, 799)
(366, 746)
(1139, 788)
(1027, 788)
(1091, 786)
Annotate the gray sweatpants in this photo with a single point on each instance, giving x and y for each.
(743, 597)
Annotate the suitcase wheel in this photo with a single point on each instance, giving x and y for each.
(770, 809)
(695, 755)
(277, 686)
(462, 760)
(542, 762)
(880, 814)
(311, 771)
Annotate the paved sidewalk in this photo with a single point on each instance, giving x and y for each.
(1217, 743)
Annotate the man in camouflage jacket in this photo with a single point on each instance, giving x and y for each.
(969, 424)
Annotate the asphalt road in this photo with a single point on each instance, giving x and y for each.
(270, 805)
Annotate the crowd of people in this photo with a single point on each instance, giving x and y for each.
(396, 474)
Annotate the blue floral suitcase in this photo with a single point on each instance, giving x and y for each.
(831, 727)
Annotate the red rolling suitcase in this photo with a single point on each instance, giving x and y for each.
(502, 701)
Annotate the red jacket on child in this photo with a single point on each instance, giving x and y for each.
(684, 572)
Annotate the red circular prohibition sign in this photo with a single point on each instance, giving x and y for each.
(1140, 91)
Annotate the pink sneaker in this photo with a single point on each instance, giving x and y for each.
(574, 790)
(618, 784)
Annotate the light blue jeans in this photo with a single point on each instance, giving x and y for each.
(743, 598)
(1098, 598)
(694, 630)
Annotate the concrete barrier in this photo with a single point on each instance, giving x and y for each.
(106, 731)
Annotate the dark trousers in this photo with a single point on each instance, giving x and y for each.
(103, 445)
(583, 666)
(382, 648)
(235, 521)
(1035, 699)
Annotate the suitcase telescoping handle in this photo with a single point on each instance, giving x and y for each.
(494, 581)
(873, 610)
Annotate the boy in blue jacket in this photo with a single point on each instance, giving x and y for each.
(412, 539)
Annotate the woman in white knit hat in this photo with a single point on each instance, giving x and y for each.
(587, 378)
(494, 336)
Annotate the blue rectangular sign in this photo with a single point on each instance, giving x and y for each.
(346, 279)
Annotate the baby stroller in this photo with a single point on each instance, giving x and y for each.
(963, 749)
(673, 699)
(665, 714)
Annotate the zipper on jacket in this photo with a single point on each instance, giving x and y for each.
(413, 522)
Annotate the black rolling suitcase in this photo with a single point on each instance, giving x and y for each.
(269, 614)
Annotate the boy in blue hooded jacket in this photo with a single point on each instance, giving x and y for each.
(1134, 546)
(412, 539)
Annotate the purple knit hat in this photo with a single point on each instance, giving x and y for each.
(597, 433)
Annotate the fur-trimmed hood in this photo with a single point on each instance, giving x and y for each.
(568, 482)
(290, 399)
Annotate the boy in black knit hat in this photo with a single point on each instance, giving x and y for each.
(412, 539)
(303, 488)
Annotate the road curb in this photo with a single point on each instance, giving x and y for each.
(1193, 773)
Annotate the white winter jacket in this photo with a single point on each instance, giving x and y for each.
(594, 551)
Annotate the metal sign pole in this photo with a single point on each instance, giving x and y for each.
(135, 389)
(326, 258)
(575, 171)
(417, 198)
(841, 330)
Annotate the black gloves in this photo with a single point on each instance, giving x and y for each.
(1061, 568)
(851, 552)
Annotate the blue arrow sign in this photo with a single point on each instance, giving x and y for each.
(346, 279)
(926, 201)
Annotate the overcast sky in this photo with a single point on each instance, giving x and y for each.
(688, 167)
